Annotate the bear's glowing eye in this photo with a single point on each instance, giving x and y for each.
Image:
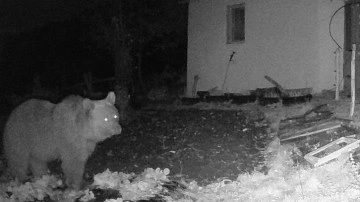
(106, 119)
(115, 116)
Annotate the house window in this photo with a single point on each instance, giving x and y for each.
(236, 23)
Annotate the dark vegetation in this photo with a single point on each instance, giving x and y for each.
(94, 47)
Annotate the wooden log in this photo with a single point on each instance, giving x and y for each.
(298, 92)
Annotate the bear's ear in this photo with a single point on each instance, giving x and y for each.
(88, 104)
(110, 97)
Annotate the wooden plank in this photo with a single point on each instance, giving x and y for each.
(277, 85)
(353, 80)
(311, 133)
(319, 125)
(351, 144)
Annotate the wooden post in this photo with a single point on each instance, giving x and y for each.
(194, 87)
(353, 80)
(352, 36)
(337, 68)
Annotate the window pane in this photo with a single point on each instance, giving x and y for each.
(239, 24)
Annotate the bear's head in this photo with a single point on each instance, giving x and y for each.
(103, 116)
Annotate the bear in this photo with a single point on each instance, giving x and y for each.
(38, 131)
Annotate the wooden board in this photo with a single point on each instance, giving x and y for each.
(330, 125)
(335, 150)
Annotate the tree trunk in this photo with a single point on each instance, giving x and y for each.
(121, 48)
(122, 65)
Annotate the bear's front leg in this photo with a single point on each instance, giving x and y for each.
(38, 167)
(73, 169)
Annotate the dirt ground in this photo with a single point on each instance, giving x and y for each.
(207, 142)
(195, 144)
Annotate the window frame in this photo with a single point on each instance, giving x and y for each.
(230, 24)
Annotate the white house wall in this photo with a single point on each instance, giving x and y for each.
(285, 39)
